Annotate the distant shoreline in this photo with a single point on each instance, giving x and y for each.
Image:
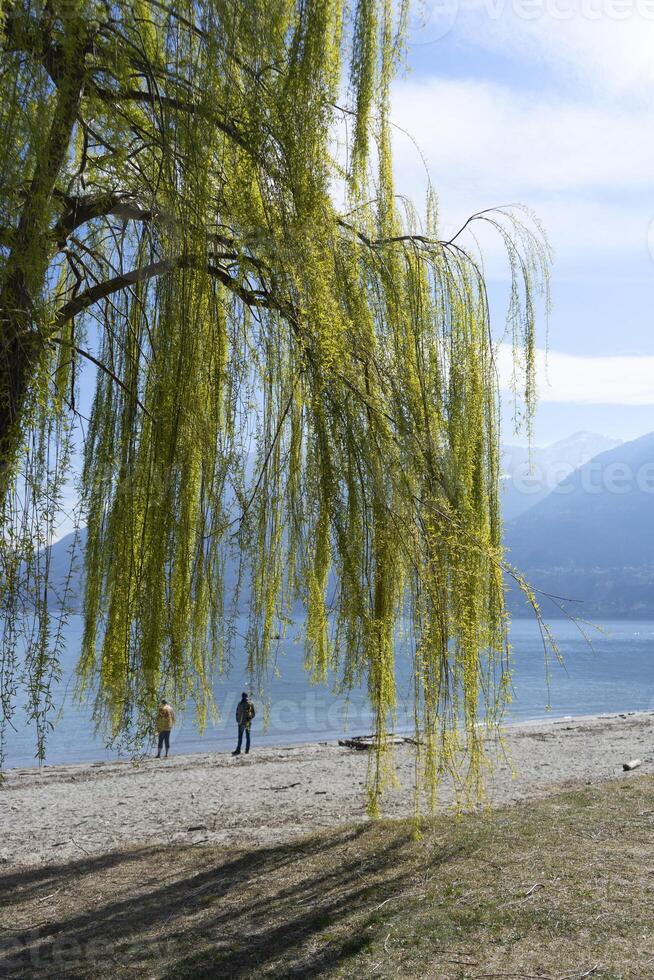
(220, 750)
(594, 618)
(331, 739)
(610, 678)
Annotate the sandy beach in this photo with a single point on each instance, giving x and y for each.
(275, 795)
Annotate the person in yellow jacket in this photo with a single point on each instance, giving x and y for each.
(165, 722)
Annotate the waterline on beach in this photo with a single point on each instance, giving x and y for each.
(617, 675)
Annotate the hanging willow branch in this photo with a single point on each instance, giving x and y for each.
(313, 392)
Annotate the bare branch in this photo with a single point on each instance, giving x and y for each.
(103, 367)
(170, 102)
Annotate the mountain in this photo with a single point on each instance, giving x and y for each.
(529, 478)
(67, 571)
(592, 538)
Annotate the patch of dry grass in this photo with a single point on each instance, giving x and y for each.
(561, 887)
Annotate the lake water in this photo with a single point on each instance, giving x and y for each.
(616, 675)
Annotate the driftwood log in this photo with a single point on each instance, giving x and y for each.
(367, 742)
(628, 766)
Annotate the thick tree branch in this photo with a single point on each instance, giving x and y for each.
(26, 265)
(106, 288)
(81, 209)
(81, 302)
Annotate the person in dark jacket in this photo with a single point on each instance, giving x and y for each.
(244, 714)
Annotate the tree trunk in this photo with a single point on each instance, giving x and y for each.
(23, 341)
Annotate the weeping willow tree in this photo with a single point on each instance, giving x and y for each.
(306, 384)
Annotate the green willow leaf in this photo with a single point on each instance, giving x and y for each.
(305, 388)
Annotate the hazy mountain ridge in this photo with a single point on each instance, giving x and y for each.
(529, 476)
(592, 539)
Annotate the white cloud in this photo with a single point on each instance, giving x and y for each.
(607, 43)
(479, 131)
(585, 169)
(622, 380)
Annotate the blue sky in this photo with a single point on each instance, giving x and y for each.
(550, 103)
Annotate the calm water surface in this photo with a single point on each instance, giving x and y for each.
(616, 675)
